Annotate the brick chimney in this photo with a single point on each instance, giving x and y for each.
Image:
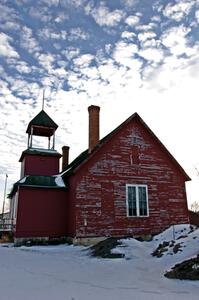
(65, 156)
(93, 126)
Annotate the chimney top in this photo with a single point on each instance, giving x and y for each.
(93, 107)
(93, 126)
(65, 157)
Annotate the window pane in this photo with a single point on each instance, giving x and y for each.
(132, 201)
(142, 201)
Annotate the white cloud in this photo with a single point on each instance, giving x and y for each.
(104, 17)
(152, 54)
(197, 16)
(75, 3)
(6, 12)
(179, 10)
(156, 19)
(124, 53)
(46, 61)
(146, 35)
(70, 52)
(20, 66)
(5, 48)
(128, 35)
(132, 20)
(146, 27)
(48, 33)
(41, 13)
(178, 73)
(77, 33)
(28, 41)
(60, 73)
(130, 3)
(151, 43)
(24, 88)
(10, 25)
(50, 2)
(175, 40)
(83, 60)
(62, 16)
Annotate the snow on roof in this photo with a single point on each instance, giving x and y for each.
(43, 150)
(23, 180)
(59, 181)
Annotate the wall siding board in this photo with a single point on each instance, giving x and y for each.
(100, 201)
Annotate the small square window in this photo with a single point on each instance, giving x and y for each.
(137, 200)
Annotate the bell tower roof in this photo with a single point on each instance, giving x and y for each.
(43, 125)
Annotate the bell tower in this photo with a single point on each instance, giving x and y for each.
(37, 159)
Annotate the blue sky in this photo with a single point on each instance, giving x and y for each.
(124, 55)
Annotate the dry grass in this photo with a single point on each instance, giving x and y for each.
(6, 238)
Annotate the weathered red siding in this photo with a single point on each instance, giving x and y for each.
(41, 213)
(41, 165)
(131, 156)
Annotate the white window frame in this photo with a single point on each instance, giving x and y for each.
(137, 200)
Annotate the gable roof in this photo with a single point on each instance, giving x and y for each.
(42, 119)
(85, 155)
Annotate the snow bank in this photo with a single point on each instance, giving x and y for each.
(70, 273)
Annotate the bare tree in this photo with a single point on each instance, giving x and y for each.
(195, 206)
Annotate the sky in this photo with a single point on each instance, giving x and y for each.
(124, 55)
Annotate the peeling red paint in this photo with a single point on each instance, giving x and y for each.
(99, 203)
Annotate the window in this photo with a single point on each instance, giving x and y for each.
(137, 200)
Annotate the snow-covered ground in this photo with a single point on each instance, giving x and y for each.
(69, 273)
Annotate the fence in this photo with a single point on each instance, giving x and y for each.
(6, 225)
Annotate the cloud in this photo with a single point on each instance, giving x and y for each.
(48, 33)
(10, 25)
(103, 16)
(5, 48)
(27, 40)
(46, 61)
(142, 37)
(124, 53)
(132, 20)
(42, 13)
(175, 40)
(62, 16)
(179, 10)
(128, 35)
(77, 33)
(21, 66)
(146, 27)
(156, 19)
(175, 73)
(130, 3)
(70, 52)
(83, 60)
(6, 12)
(152, 54)
(74, 3)
(197, 16)
(50, 2)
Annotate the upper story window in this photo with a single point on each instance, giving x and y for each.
(137, 200)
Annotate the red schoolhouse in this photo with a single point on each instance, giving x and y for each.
(126, 184)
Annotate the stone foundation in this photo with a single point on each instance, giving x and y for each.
(29, 240)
